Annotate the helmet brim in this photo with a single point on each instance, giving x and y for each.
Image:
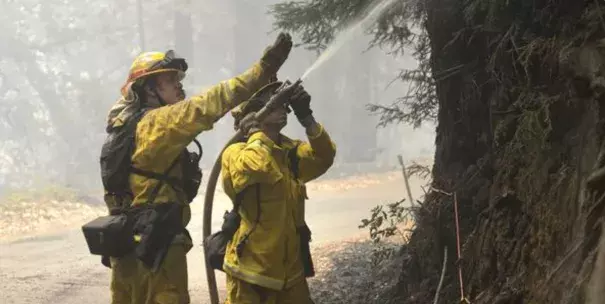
(124, 90)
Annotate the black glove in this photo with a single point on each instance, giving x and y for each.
(301, 103)
(276, 54)
(283, 95)
(249, 125)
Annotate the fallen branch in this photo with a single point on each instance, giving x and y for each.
(405, 178)
(441, 191)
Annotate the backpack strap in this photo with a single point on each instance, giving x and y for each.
(163, 178)
(240, 197)
(237, 204)
(294, 168)
(294, 160)
(303, 231)
(199, 147)
(159, 176)
(174, 182)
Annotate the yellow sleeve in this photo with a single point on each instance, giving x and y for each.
(172, 127)
(250, 163)
(315, 156)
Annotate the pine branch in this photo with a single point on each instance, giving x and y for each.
(318, 21)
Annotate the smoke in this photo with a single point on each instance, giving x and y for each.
(67, 61)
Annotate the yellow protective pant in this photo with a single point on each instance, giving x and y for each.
(241, 292)
(133, 283)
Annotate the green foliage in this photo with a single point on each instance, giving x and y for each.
(418, 105)
(316, 20)
(386, 221)
(399, 31)
(416, 169)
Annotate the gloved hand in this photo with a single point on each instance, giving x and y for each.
(276, 54)
(283, 95)
(301, 103)
(249, 125)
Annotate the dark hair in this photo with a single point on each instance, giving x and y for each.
(139, 87)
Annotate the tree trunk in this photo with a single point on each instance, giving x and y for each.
(516, 137)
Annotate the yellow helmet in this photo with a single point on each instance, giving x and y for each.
(150, 63)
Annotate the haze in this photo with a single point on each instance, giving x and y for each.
(62, 64)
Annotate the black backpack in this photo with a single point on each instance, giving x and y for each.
(113, 235)
(116, 167)
(116, 163)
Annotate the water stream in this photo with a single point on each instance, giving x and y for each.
(348, 33)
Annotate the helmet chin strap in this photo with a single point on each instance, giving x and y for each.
(160, 99)
(146, 85)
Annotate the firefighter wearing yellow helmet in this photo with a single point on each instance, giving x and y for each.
(156, 271)
(151, 63)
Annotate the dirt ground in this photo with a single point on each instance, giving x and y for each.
(44, 258)
(351, 270)
(25, 218)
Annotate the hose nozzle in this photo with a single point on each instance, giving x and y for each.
(287, 85)
(282, 96)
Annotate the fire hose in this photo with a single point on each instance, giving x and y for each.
(281, 96)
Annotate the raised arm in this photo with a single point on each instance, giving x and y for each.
(317, 155)
(181, 122)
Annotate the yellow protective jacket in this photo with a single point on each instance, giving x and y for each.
(164, 132)
(271, 256)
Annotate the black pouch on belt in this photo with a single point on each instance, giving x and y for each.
(110, 235)
(157, 225)
(305, 251)
(215, 245)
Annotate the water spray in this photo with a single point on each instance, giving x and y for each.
(347, 34)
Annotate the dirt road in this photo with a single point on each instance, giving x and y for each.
(57, 268)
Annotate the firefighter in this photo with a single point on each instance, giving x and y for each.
(154, 273)
(267, 261)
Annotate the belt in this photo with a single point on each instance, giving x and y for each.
(181, 238)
